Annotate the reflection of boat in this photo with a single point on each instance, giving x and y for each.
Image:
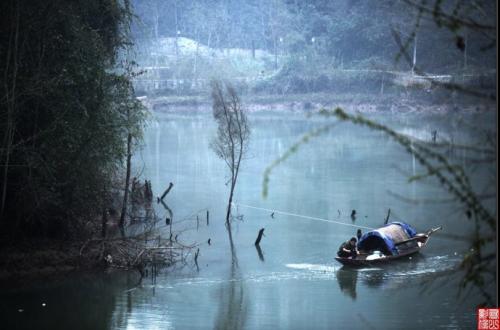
(347, 279)
(382, 245)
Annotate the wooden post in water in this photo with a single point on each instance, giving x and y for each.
(259, 237)
(259, 252)
(207, 218)
(387, 217)
(196, 258)
(166, 192)
(148, 192)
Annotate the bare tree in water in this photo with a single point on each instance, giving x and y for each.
(233, 132)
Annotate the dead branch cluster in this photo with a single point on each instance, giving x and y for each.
(141, 192)
(140, 244)
(141, 198)
(141, 252)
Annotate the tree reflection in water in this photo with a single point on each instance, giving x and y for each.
(232, 311)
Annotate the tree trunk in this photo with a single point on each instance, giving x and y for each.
(127, 180)
(275, 54)
(414, 61)
(230, 202)
(6, 165)
(465, 50)
(11, 107)
(193, 83)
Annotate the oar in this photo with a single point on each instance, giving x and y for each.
(426, 235)
(433, 230)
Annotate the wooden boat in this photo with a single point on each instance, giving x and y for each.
(391, 242)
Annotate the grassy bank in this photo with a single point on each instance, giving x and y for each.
(404, 102)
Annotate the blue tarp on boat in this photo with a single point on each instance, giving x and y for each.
(384, 239)
(408, 229)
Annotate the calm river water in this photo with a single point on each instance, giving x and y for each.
(296, 283)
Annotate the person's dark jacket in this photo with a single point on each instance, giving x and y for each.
(347, 245)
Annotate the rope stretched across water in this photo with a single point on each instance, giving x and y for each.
(301, 216)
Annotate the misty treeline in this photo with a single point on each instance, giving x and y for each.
(68, 116)
(310, 44)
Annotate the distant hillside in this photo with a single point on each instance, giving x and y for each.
(182, 64)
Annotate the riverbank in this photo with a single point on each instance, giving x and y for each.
(40, 259)
(419, 102)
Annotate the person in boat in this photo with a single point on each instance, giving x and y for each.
(348, 249)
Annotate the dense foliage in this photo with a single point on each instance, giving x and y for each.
(66, 108)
